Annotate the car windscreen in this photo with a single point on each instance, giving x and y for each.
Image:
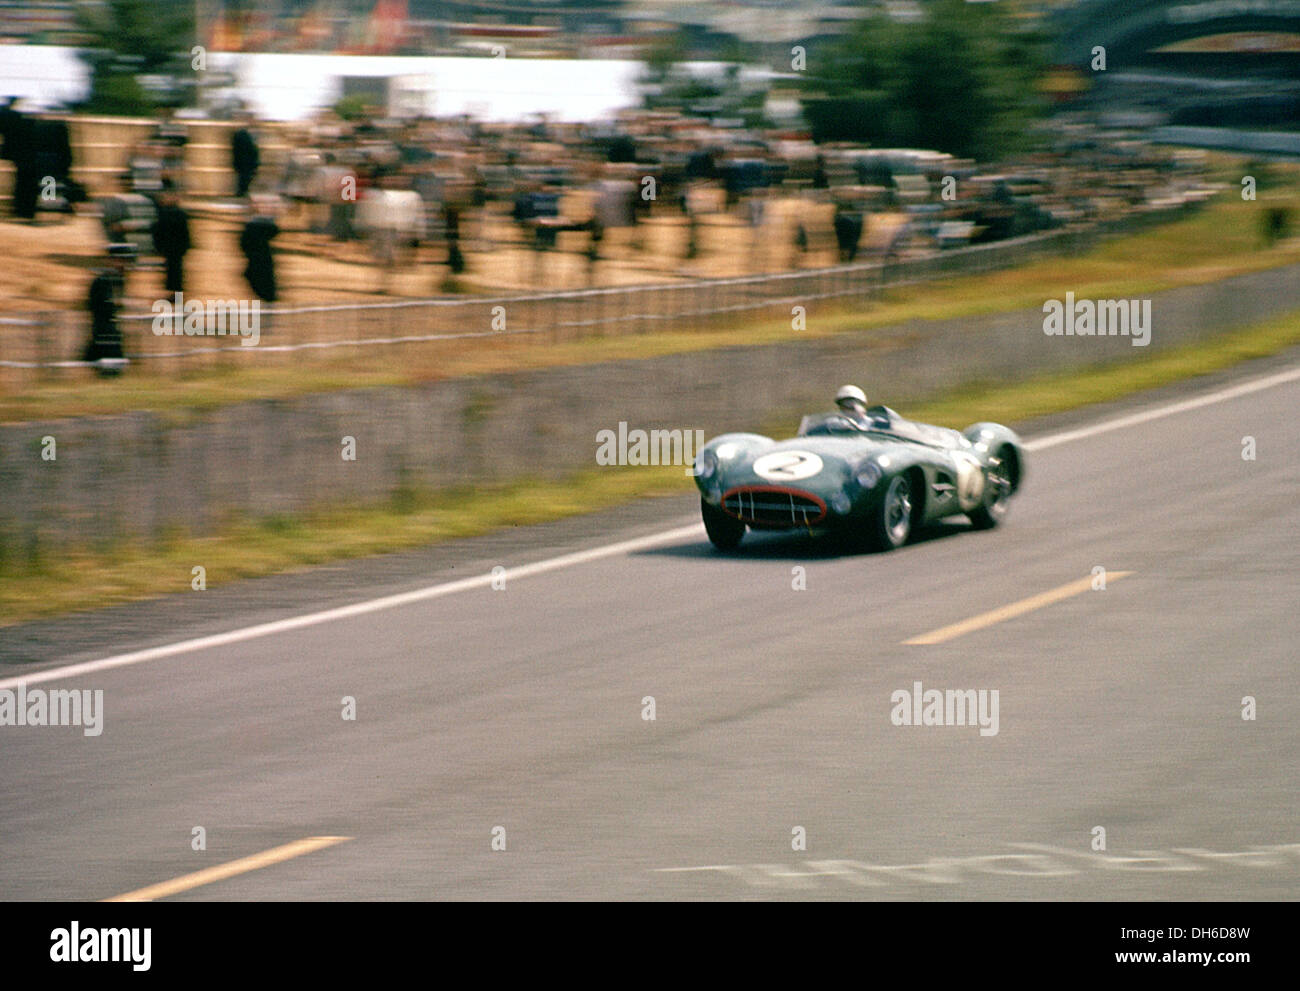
(829, 425)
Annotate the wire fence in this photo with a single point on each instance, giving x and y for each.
(46, 345)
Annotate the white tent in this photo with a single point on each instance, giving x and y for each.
(291, 87)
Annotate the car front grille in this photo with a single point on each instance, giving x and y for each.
(772, 505)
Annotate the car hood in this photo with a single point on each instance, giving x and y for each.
(815, 464)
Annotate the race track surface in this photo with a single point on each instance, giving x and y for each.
(522, 707)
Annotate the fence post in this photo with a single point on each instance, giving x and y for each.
(41, 326)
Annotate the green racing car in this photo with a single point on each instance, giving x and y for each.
(865, 472)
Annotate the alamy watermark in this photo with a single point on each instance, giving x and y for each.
(953, 707)
(181, 317)
(1099, 318)
(58, 707)
(648, 447)
(90, 945)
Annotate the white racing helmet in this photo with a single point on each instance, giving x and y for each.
(850, 396)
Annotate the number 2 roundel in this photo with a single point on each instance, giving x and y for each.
(787, 466)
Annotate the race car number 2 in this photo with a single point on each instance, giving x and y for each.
(788, 466)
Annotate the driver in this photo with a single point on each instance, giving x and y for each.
(852, 402)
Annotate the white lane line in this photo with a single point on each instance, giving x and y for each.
(581, 557)
(1160, 412)
(356, 609)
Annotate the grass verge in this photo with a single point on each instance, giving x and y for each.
(93, 578)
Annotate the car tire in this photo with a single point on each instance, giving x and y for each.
(725, 532)
(892, 519)
(998, 486)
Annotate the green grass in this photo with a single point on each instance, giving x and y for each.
(1219, 241)
(96, 577)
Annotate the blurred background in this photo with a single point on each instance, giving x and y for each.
(1207, 63)
(601, 163)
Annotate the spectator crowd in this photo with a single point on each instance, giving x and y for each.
(453, 192)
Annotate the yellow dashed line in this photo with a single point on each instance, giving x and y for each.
(222, 871)
(945, 633)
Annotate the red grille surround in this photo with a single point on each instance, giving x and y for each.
(773, 506)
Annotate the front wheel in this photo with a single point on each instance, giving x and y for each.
(892, 521)
(725, 532)
(997, 493)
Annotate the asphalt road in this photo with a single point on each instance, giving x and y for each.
(522, 707)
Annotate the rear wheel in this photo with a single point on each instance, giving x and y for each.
(725, 532)
(892, 521)
(997, 492)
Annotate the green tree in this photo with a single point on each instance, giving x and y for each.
(962, 78)
(129, 41)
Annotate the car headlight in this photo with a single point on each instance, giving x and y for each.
(706, 464)
(868, 475)
(840, 503)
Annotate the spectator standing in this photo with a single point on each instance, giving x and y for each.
(756, 216)
(451, 229)
(106, 291)
(244, 156)
(848, 231)
(129, 216)
(171, 239)
(338, 191)
(10, 119)
(19, 132)
(172, 137)
(52, 148)
(596, 234)
(255, 242)
(820, 179)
